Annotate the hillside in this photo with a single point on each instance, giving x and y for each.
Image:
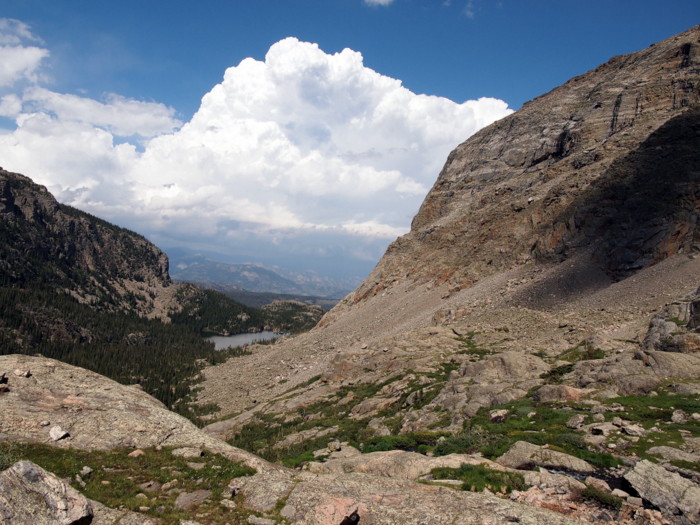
(76, 288)
(552, 269)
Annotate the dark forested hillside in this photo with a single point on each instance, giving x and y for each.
(76, 288)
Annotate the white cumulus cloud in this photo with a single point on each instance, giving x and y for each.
(303, 152)
(19, 60)
(119, 115)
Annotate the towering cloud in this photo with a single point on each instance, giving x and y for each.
(303, 152)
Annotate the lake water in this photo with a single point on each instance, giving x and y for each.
(225, 341)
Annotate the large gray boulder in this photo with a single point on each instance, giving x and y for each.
(677, 497)
(524, 455)
(32, 496)
(95, 413)
(398, 464)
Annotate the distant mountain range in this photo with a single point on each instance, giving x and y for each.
(254, 277)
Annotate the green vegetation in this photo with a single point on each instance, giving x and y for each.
(603, 498)
(115, 478)
(476, 478)
(539, 424)
(555, 376)
(654, 414)
(165, 359)
(582, 352)
(212, 313)
(469, 346)
(334, 413)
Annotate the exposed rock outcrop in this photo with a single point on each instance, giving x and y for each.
(524, 455)
(328, 499)
(95, 412)
(31, 496)
(674, 495)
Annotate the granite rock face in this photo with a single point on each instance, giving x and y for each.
(96, 413)
(327, 499)
(673, 494)
(29, 495)
(608, 161)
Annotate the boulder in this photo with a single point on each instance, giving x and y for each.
(576, 421)
(560, 393)
(29, 495)
(673, 494)
(188, 452)
(187, 500)
(396, 464)
(56, 433)
(674, 454)
(524, 455)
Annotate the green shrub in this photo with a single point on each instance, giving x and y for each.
(476, 478)
(462, 443)
(603, 498)
(556, 375)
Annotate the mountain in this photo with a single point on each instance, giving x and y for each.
(256, 277)
(548, 287)
(76, 288)
(71, 251)
(528, 353)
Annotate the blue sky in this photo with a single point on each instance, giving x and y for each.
(304, 156)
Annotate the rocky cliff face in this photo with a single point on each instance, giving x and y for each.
(58, 246)
(607, 161)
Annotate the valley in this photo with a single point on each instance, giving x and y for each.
(528, 353)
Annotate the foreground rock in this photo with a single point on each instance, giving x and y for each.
(676, 496)
(396, 464)
(29, 495)
(328, 499)
(92, 412)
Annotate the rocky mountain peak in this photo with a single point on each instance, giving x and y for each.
(78, 253)
(606, 162)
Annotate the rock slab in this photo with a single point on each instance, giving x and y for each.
(32, 496)
(524, 455)
(674, 495)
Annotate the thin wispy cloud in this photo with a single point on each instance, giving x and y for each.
(469, 10)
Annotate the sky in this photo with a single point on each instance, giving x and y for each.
(298, 133)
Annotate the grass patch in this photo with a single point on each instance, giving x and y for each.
(469, 346)
(602, 498)
(555, 376)
(545, 426)
(115, 477)
(583, 351)
(476, 478)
